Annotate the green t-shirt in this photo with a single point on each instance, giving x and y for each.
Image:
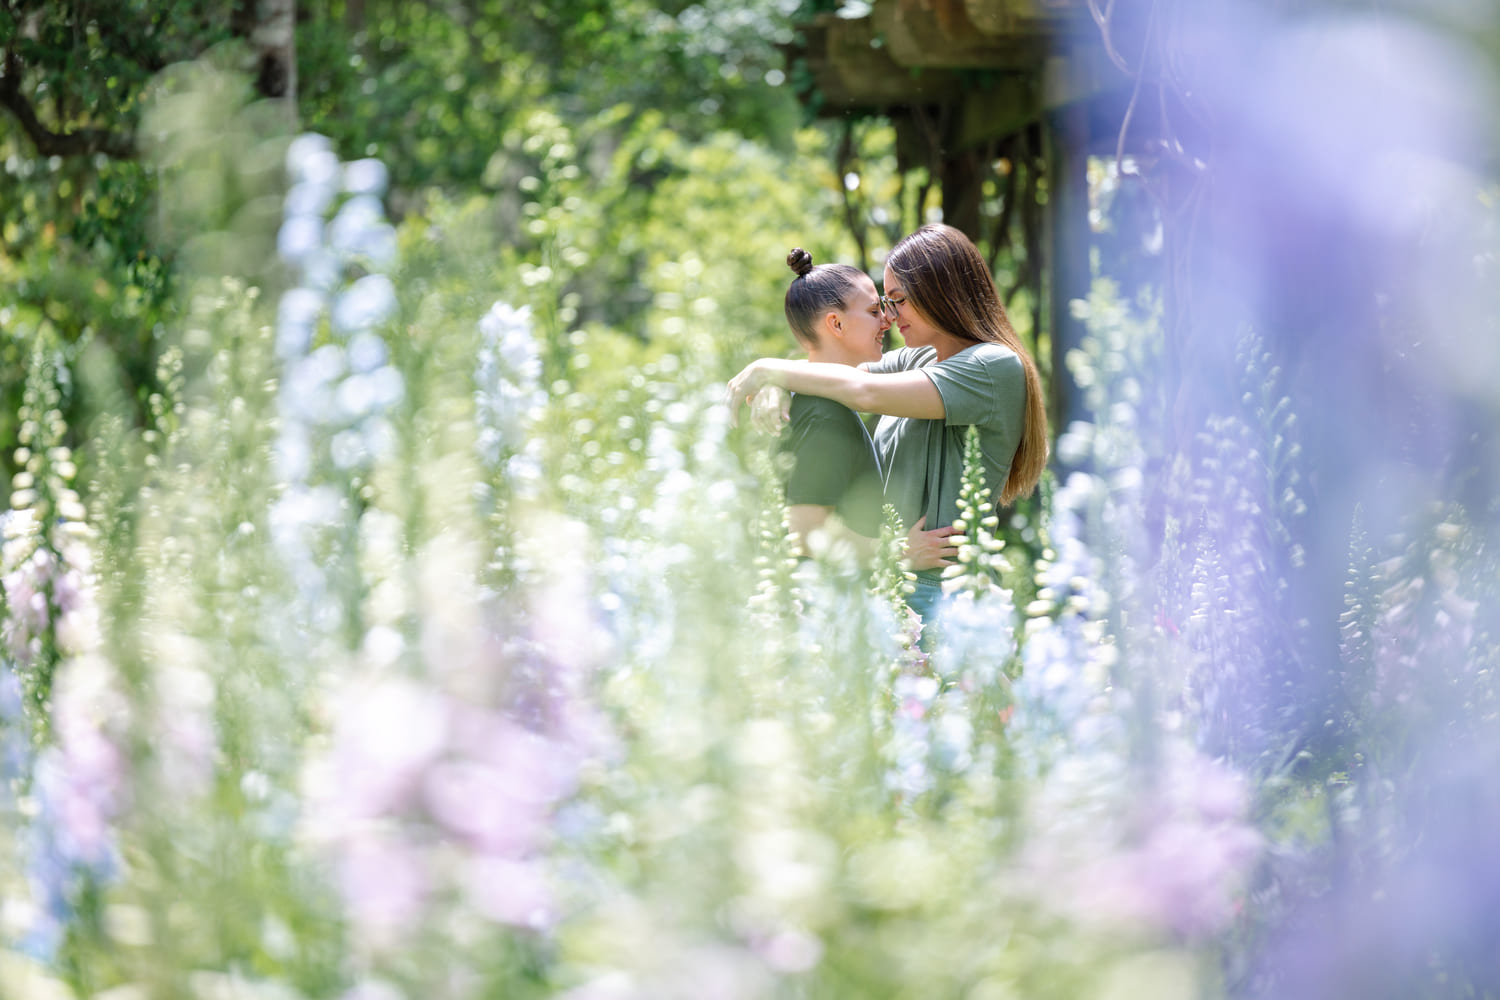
(833, 463)
(984, 385)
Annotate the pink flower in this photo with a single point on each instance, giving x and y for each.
(385, 884)
(389, 736)
(489, 807)
(511, 892)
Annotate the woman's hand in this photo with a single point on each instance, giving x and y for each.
(770, 409)
(931, 549)
(743, 387)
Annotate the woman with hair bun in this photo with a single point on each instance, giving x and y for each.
(963, 365)
(834, 482)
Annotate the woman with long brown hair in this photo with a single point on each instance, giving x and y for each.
(963, 365)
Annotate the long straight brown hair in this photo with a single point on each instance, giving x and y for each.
(946, 278)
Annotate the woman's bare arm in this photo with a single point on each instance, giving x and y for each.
(895, 394)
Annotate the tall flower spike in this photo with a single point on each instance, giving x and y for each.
(978, 567)
(43, 553)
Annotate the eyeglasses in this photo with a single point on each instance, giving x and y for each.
(890, 303)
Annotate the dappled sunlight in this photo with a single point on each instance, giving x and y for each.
(404, 614)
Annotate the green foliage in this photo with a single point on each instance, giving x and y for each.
(460, 97)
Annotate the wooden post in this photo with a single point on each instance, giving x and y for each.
(1070, 274)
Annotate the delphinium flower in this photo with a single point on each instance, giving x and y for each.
(777, 602)
(44, 555)
(459, 729)
(1233, 508)
(508, 403)
(63, 731)
(424, 795)
(1165, 859)
(338, 386)
(427, 798)
(976, 624)
(1418, 704)
(891, 582)
(1143, 836)
(15, 738)
(1065, 658)
(508, 394)
(1130, 826)
(939, 698)
(79, 786)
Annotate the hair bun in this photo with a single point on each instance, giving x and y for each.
(799, 260)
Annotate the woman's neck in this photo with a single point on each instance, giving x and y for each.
(946, 345)
(830, 357)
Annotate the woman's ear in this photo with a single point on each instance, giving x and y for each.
(834, 324)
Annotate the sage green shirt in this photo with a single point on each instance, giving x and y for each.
(833, 463)
(923, 460)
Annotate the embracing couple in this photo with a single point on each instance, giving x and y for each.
(962, 366)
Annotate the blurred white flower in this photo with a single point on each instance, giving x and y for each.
(297, 316)
(321, 271)
(368, 176)
(293, 452)
(387, 387)
(309, 199)
(379, 437)
(359, 226)
(367, 351)
(507, 394)
(374, 989)
(307, 385)
(299, 237)
(978, 635)
(310, 157)
(367, 303)
(386, 737)
(347, 449)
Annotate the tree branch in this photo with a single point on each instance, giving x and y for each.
(81, 142)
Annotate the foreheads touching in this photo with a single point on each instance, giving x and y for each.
(943, 275)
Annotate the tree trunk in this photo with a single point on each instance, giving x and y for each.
(270, 26)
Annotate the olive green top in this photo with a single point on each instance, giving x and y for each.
(923, 460)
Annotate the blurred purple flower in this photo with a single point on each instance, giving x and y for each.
(490, 807)
(387, 736)
(386, 882)
(508, 891)
(1420, 921)
(1172, 862)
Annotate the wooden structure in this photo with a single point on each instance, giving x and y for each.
(956, 77)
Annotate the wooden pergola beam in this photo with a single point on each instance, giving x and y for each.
(959, 76)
